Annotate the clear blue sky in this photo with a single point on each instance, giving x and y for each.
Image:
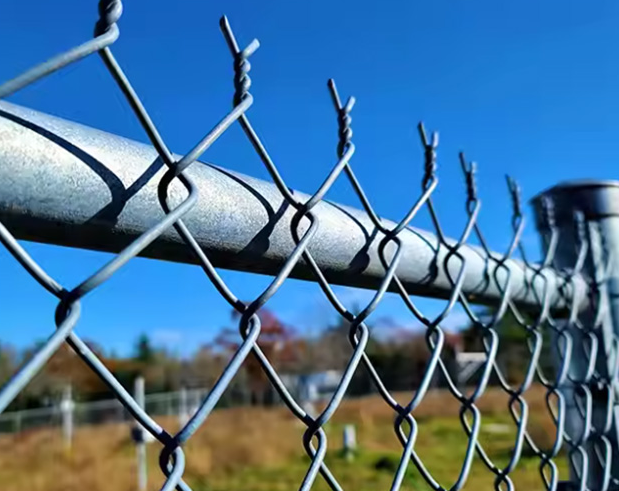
(527, 88)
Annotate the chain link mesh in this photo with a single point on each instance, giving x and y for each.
(574, 388)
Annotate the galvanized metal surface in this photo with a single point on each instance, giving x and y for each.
(588, 386)
(66, 184)
(240, 222)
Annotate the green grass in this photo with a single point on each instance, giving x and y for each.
(441, 444)
(258, 449)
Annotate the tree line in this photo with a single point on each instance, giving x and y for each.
(400, 357)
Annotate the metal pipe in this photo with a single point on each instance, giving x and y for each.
(67, 184)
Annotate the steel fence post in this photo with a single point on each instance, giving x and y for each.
(598, 201)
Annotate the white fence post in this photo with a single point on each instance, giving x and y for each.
(197, 399)
(67, 408)
(350, 442)
(183, 412)
(139, 437)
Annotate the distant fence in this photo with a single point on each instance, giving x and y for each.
(66, 184)
(307, 388)
(178, 404)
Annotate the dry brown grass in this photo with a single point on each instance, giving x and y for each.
(260, 449)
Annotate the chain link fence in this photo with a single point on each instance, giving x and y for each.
(185, 211)
(176, 404)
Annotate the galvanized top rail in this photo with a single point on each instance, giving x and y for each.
(240, 222)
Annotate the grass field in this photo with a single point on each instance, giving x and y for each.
(257, 449)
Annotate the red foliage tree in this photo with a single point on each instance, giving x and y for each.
(277, 341)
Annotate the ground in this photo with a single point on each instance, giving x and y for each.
(259, 449)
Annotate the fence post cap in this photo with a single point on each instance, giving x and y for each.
(595, 198)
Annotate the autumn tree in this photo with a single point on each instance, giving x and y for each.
(65, 367)
(8, 362)
(279, 344)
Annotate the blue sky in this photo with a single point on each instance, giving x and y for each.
(526, 88)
